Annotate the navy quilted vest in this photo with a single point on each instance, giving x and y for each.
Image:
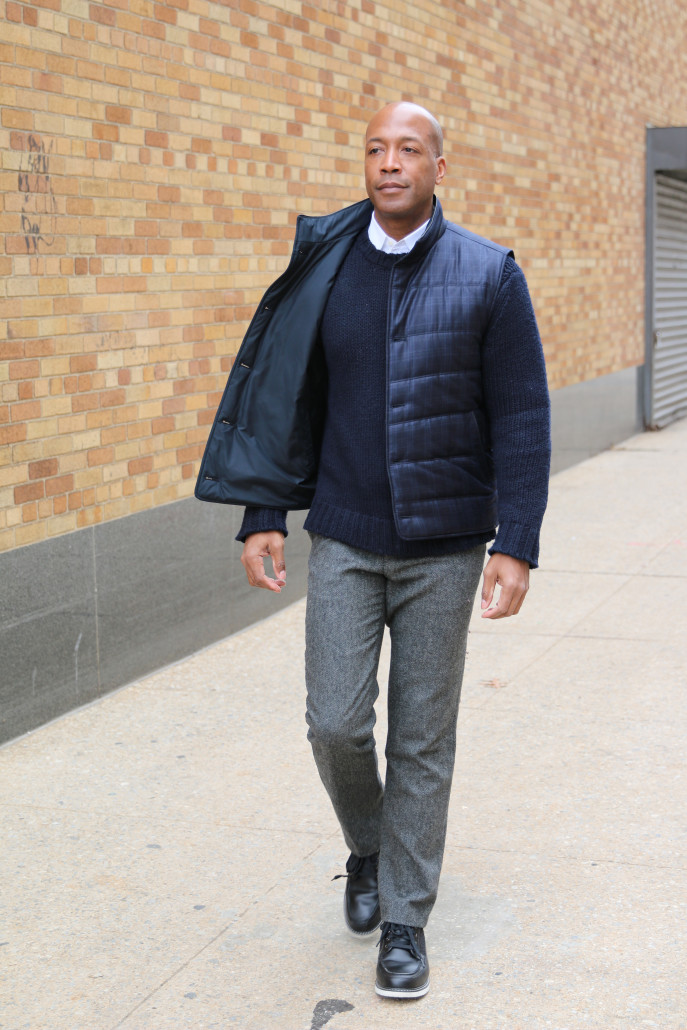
(440, 467)
(264, 443)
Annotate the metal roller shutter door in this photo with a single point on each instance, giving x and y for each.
(669, 361)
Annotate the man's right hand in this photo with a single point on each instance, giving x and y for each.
(259, 546)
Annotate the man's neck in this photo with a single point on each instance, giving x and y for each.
(398, 230)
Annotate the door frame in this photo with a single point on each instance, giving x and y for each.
(666, 152)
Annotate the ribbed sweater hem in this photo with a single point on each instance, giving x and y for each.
(262, 520)
(519, 541)
(379, 536)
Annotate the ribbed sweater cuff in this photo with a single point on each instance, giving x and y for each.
(262, 520)
(519, 541)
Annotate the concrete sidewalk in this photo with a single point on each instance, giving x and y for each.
(167, 852)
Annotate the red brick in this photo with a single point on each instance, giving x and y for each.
(173, 405)
(84, 402)
(193, 453)
(103, 15)
(24, 369)
(152, 28)
(110, 398)
(59, 485)
(104, 131)
(165, 14)
(162, 425)
(26, 411)
(83, 362)
(156, 139)
(41, 469)
(118, 114)
(29, 492)
(100, 456)
(47, 83)
(12, 434)
(138, 465)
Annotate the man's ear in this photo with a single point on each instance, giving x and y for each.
(441, 170)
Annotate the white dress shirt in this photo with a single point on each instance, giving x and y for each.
(388, 245)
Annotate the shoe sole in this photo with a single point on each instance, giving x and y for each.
(400, 992)
(360, 933)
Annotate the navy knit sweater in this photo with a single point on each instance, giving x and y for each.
(352, 501)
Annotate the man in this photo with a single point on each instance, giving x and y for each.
(392, 380)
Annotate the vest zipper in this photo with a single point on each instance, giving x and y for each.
(388, 397)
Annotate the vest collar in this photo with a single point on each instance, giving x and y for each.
(434, 231)
(313, 229)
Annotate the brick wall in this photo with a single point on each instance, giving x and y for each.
(154, 157)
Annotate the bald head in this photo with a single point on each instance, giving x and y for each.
(433, 129)
(403, 164)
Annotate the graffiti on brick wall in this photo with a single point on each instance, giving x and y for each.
(38, 205)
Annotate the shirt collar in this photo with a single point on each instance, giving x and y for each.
(379, 239)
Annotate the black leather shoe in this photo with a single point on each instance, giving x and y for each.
(361, 898)
(402, 967)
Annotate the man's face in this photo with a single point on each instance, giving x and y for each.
(401, 168)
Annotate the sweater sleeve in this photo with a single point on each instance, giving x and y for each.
(262, 520)
(518, 409)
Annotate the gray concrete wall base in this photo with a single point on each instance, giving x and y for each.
(90, 611)
(590, 417)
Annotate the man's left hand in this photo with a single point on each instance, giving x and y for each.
(513, 576)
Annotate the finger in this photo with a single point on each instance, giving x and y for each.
(510, 601)
(488, 586)
(254, 568)
(501, 608)
(278, 562)
(497, 611)
(520, 602)
(257, 577)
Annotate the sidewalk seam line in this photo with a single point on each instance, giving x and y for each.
(212, 941)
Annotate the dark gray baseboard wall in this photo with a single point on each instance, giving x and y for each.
(92, 610)
(590, 417)
(88, 612)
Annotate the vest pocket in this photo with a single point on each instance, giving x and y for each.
(447, 436)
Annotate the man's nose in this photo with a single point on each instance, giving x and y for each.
(391, 162)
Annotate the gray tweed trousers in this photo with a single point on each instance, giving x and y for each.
(426, 602)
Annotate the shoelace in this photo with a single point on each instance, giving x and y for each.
(399, 936)
(354, 866)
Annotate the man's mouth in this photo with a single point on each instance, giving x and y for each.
(391, 186)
